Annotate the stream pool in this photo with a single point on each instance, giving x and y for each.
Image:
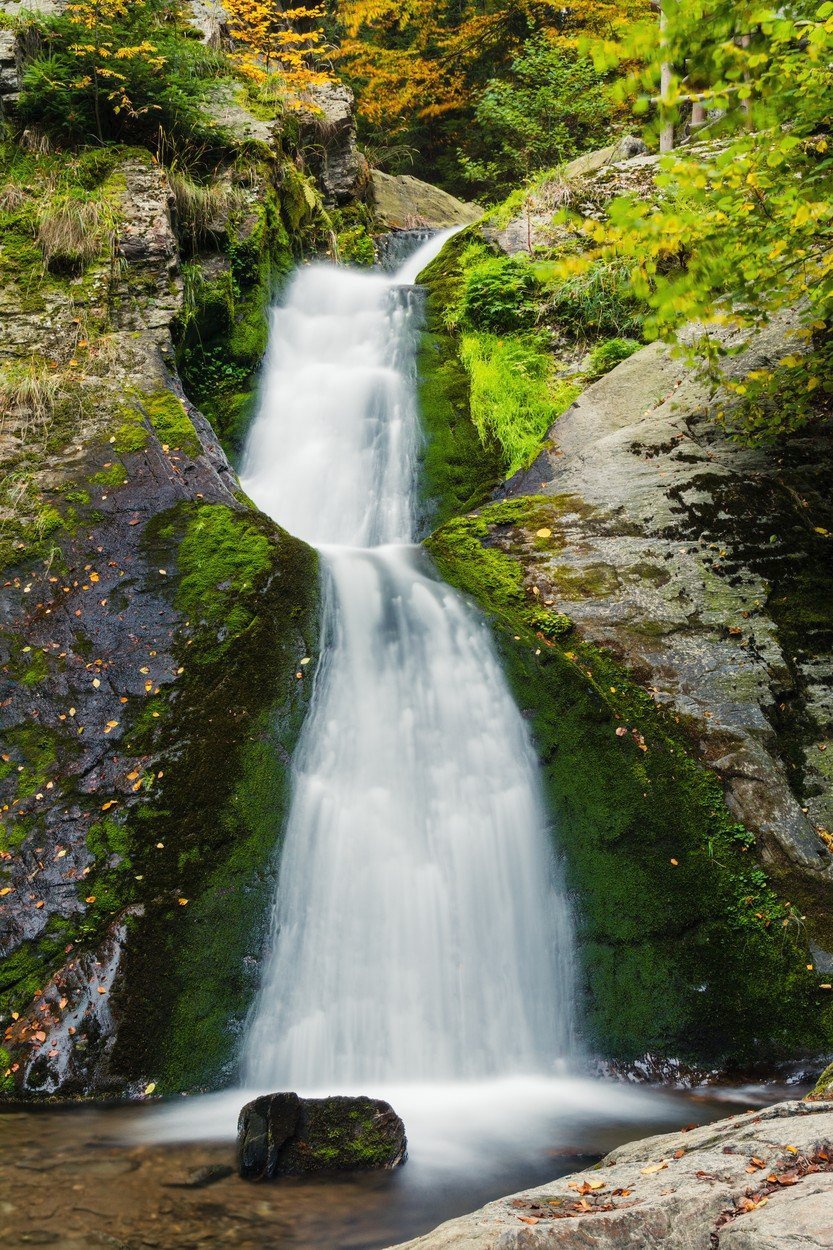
(123, 1177)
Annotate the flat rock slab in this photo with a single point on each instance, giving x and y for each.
(402, 202)
(284, 1135)
(760, 1181)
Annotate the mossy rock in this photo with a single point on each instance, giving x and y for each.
(206, 846)
(284, 1135)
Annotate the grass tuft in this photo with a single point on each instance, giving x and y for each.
(70, 232)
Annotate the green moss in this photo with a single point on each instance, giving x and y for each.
(823, 1088)
(111, 475)
(458, 469)
(222, 558)
(6, 1078)
(28, 969)
(34, 751)
(36, 669)
(131, 434)
(686, 949)
(107, 837)
(248, 596)
(174, 428)
(344, 1139)
(224, 330)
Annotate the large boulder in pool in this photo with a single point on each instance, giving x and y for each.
(284, 1135)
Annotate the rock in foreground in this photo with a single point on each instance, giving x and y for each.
(284, 1135)
(760, 1181)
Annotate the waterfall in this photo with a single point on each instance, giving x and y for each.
(419, 930)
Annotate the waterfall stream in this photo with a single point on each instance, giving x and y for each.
(421, 944)
(419, 930)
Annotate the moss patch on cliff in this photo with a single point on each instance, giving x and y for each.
(686, 950)
(204, 842)
(460, 466)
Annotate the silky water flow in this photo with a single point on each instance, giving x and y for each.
(420, 932)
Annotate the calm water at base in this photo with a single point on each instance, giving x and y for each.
(85, 1177)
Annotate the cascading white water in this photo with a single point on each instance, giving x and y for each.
(418, 931)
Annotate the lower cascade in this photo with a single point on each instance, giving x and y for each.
(420, 931)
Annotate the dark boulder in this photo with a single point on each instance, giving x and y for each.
(284, 1135)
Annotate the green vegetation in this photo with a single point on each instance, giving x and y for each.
(549, 106)
(223, 558)
(745, 226)
(249, 596)
(608, 354)
(174, 428)
(514, 397)
(597, 302)
(73, 90)
(500, 293)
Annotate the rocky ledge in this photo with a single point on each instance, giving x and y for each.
(760, 1181)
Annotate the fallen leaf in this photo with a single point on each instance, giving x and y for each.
(654, 1167)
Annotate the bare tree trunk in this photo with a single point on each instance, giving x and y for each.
(699, 115)
(745, 41)
(666, 134)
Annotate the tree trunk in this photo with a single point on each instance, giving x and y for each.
(666, 134)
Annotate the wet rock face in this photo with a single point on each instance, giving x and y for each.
(760, 1181)
(284, 1135)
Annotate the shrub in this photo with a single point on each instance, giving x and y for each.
(598, 303)
(355, 247)
(500, 294)
(606, 356)
(73, 91)
(551, 106)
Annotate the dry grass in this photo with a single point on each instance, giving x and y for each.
(12, 197)
(71, 233)
(203, 211)
(28, 395)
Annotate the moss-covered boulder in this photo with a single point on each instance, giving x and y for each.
(284, 1135)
